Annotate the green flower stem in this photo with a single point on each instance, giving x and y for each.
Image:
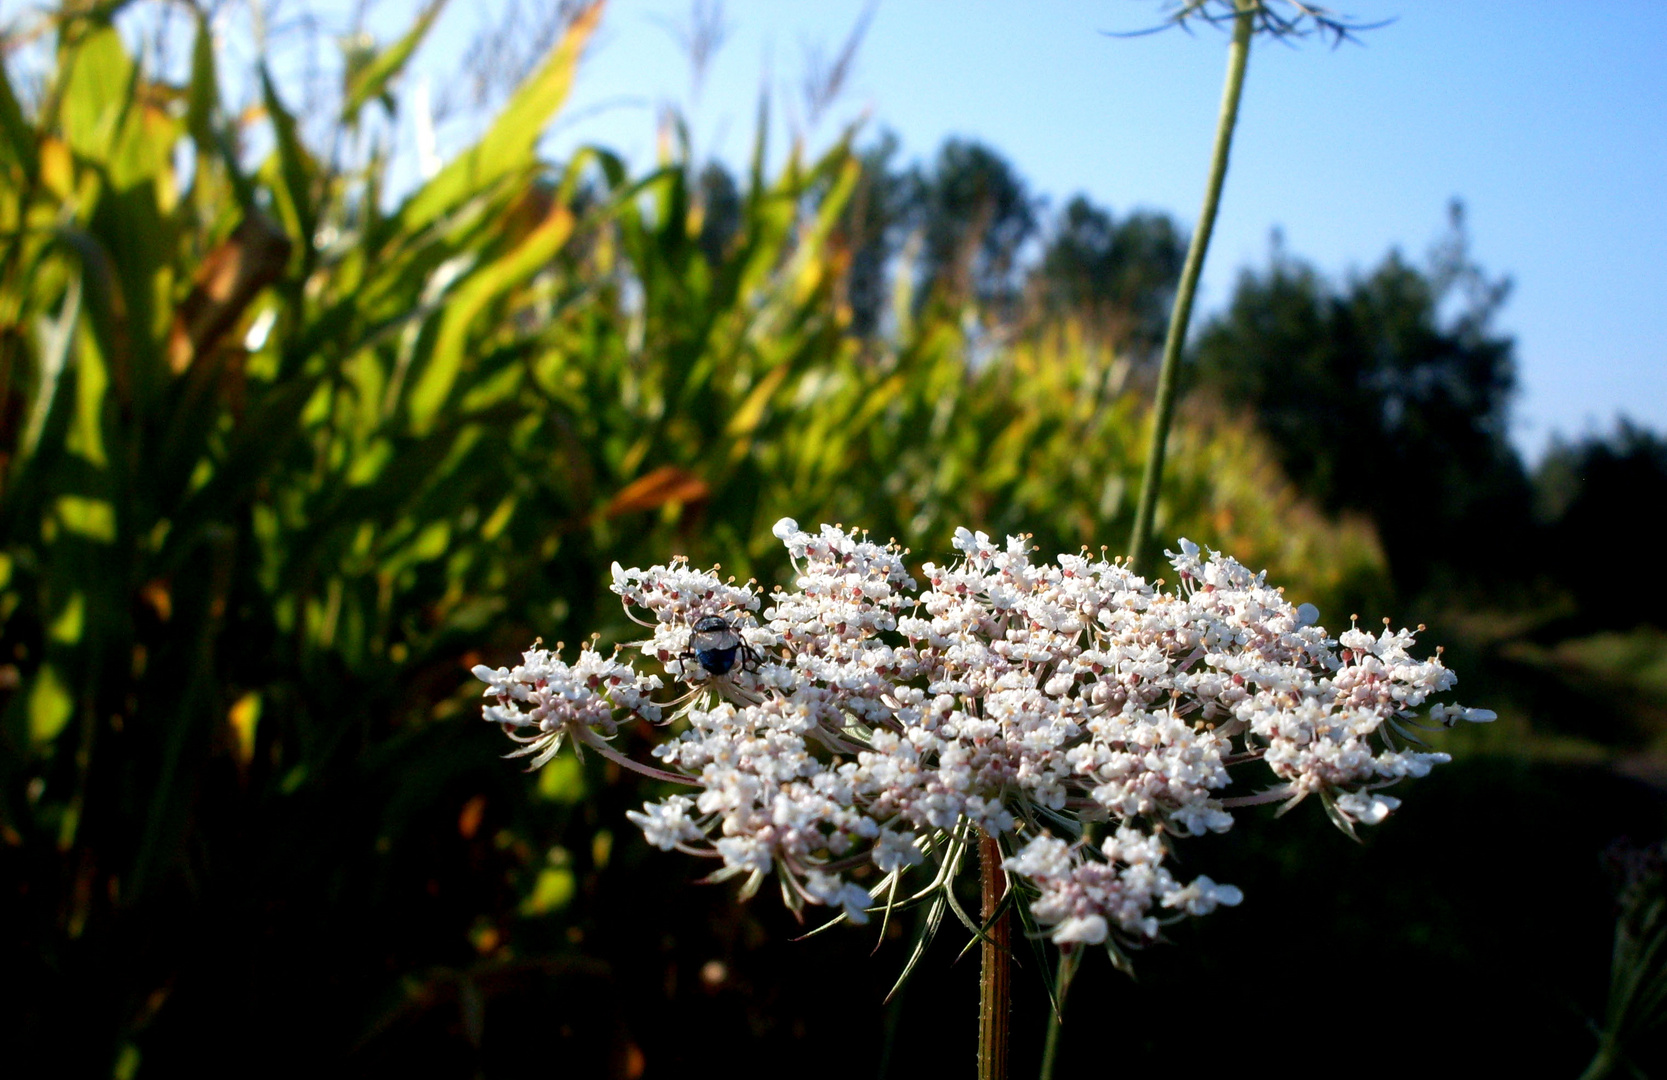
(1163, 409)
(995, 967)
(1050, 1048)
(1068, 957)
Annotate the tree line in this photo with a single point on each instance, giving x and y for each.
(1386, 394)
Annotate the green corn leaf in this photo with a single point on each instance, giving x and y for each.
(103, 302)
(295, 171)
(92, 381)
(371, 80)
(17, 138)
(508, 146)
(56, 336)
(439, 374)
(202, 104)
(203, 95)
(98, 92)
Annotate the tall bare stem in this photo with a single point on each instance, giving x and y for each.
(1163, 410)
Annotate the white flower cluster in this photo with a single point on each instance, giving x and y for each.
(863, 725)
(542, 700)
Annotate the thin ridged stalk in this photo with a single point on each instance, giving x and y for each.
(995, 967)
(1163, 409)
(1068, 958)
(1050, 1049)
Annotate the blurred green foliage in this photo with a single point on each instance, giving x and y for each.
(282, 456)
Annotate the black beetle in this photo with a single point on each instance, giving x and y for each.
(716, 644)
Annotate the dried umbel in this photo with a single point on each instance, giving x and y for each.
(862, 726)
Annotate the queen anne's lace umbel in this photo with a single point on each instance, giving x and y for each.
(876, 726)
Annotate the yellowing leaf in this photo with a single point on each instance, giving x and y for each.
(431, 542)
(92, 519)
(667, 484)
(551, 892)
(243, 717)
(562, 780)
(57, 168)
(745, 420)
(66, 628)
(50, 706)
(493, 525)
